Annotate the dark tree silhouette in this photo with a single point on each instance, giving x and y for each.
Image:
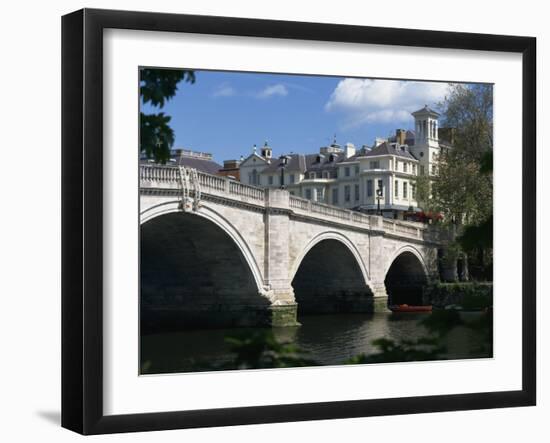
(157, 86)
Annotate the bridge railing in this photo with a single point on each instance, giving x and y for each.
(407, 229)
(167, 177)
(157, 176)
(309, 206)
(238, 188)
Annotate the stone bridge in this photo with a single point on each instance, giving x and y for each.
(216, 252)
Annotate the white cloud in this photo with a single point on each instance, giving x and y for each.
(270, 91)
(382, 101)
(224, 90)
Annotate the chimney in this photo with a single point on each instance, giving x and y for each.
(400, 136)
(350, 150)
(231, 164)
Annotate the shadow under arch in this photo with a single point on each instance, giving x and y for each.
(406, 278)
(218, 219)
(329, 276)
(193, 274)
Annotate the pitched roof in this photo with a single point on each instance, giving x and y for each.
(254, 155)
(296, 163)
(425, 110)
(208, 166)
(390, 149)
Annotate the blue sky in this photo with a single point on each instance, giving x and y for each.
(226, 113)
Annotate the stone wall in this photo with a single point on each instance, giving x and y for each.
(251, 260)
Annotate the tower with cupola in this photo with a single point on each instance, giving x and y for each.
(426, 140)
(267, 152)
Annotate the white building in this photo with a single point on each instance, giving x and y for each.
(383, 176)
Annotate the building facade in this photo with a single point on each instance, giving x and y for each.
(381, 178)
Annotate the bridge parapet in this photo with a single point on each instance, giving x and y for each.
(167, 179)
(310, 208)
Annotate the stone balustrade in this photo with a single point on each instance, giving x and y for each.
(158, 178)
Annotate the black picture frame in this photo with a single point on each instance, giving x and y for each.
(82, 232)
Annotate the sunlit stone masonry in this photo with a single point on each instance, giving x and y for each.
(216, 252)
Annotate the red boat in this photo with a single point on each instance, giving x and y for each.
(410, 308)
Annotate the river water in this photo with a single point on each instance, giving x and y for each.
(327, 339)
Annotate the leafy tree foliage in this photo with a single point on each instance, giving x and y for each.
(263, 350)
(157, 86)
(463, 188)
(460, 190)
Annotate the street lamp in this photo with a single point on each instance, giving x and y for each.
(283, 162)
(378, 197)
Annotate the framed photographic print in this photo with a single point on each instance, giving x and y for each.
(269, 221)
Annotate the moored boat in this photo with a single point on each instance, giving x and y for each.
(410, 308)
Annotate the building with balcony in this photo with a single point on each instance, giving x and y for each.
(369, 179)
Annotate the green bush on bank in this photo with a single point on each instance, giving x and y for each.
(469, 296)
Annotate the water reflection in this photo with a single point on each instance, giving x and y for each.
(327, 339)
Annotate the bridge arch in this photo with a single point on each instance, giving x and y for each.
(214, 216)
(329, 275)
(331, 235)
(406, 276)
(194, 272)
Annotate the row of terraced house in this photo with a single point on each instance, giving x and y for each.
(381, 178)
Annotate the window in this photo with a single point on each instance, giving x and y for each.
(346, 171)
(334, 196)
(347, 196)
(292, 193)
(270, 179)
(422, 170)
(254, 177)
(380, 186)
(396, 188)
(369, 188)
(413, 191)
(291, 178)
(308, 194)
(433, 169)
(374, 164)
(404, 189)
(356, 189)
(320, 194)
(414, 169)
(404, 167)
(312, 175)
(356, 169)
(326, 174)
